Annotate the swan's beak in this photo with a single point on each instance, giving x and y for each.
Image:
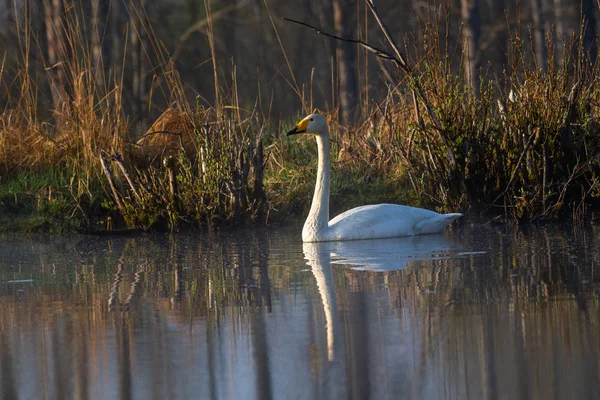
(300, 128)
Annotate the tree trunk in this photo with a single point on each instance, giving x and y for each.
(559, 27)
(589, 25)
(116, 48)
(226, 27)
(259, 50)
(56, 52)
(541, 53)
(193, 9)
(346, 61)
(325, 13)
(100, 53)
(138, 66)
(7, 19)
(471, 33)
(502, 33)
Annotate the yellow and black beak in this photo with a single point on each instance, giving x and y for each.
(299, 128)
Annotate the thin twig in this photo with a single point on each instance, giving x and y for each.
(400, 61)
(136, 143)
(117, 158)
(295, 87)
(200, 24)
(514, 173)
(416, 84)
(110, 179)
(377, 51)
(388, 36)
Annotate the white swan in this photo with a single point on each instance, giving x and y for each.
(366, 222)
(319, 260)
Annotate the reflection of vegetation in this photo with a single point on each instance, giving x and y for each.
(537, 284)
(532, 265)
(537, 266)
(494, 324)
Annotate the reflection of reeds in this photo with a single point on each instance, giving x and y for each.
(114, 290)
(132, 290)
(455, 313)
(523, 266)
(541, 339)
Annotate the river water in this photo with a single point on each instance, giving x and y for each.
(480, 312)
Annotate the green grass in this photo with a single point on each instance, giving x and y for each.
(49, 200)
(537, 156)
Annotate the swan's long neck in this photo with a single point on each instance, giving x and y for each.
(320, 261)
(318, 217)
(324, 277)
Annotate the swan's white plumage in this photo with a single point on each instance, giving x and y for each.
(366, 222)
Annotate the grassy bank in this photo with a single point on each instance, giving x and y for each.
(525, 148)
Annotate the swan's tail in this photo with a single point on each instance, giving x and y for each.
(435, 224)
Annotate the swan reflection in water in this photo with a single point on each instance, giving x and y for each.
(318, 258)
(372, 255)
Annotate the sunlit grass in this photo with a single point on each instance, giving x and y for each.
(526, 147)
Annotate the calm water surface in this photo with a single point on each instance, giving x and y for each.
(479, 312)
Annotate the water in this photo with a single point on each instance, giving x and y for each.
(479, 312)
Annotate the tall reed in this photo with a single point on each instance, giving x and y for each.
(526, 147)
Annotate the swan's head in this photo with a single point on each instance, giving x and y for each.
(314, 123)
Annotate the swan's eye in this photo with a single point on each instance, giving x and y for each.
(311, 119)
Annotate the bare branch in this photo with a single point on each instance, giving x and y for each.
(388, 36)
(109, 177)
(400, 61)
(378, 52)
(137, 142)
(417, 86)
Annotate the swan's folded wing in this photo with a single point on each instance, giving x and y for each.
(381, 221)
(435, 224)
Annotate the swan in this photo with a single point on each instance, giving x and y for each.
(319, 260)
(376, 221)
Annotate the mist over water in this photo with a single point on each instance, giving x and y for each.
(478, 312)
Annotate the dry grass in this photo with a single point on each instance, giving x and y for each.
(172, 132)
(534, 156)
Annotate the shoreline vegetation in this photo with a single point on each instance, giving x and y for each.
(524, 146)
